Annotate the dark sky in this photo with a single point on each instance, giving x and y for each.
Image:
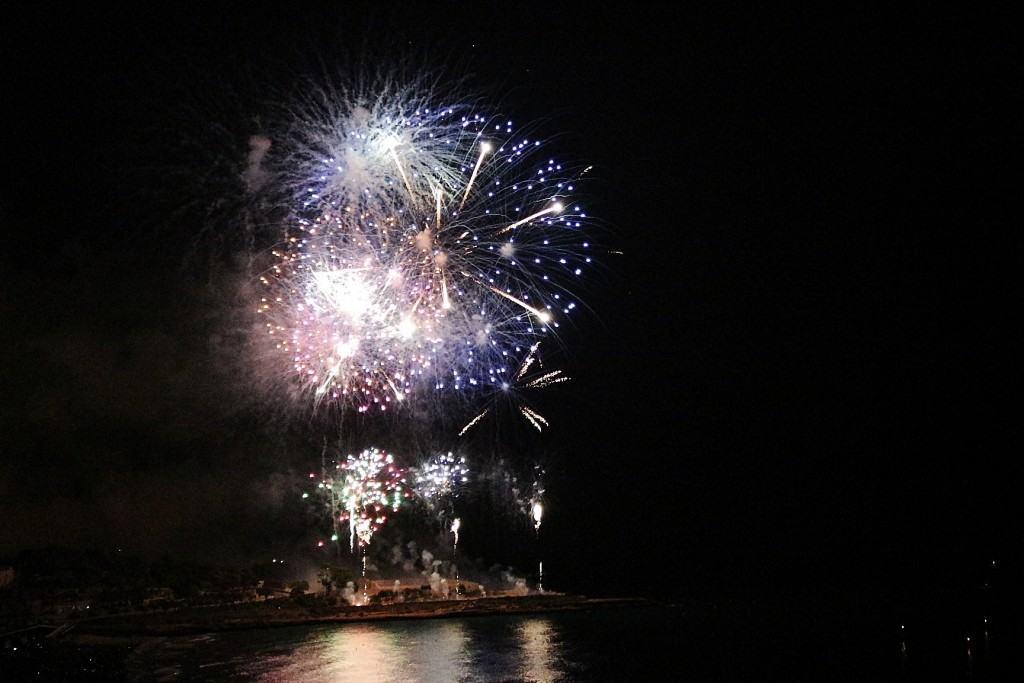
(801, 365)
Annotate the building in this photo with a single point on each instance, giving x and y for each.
(418, 588)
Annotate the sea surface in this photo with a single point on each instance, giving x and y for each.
(738, 642)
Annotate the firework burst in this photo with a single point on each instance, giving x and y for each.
(433, 249)
(362, 490)
(438, 481)
(530, 376)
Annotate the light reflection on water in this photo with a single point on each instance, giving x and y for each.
(738, 642)
(538, 647)
(372, 652)
(523, 648)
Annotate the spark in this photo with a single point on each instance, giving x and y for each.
(484, 149)
(535, 418)
(472, 422)
(554, 208)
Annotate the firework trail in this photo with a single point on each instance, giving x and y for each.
(537, 512)
(535, 505)
(456, 524)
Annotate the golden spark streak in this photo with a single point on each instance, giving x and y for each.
(485, 147)
(394, 155)
(553, 377)
(534, 417)
(473, 422)
(530, 357)
(542, 316)
(554, 208)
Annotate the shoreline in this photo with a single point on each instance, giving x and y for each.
(119, 628)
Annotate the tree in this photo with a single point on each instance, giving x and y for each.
(331, 575)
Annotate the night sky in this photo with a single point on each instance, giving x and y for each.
(801, 367)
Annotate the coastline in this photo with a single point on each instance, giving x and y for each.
(120, 628)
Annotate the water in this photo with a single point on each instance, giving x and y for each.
(608, 644)
(738, 642)
(794, 638)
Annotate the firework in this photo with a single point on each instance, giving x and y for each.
(365, 488)
(456, 524)
(537, 512)
(427, 249)
(430, 250)
(527, 377)
(437, 483)
(438, 480)
(535, 505)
